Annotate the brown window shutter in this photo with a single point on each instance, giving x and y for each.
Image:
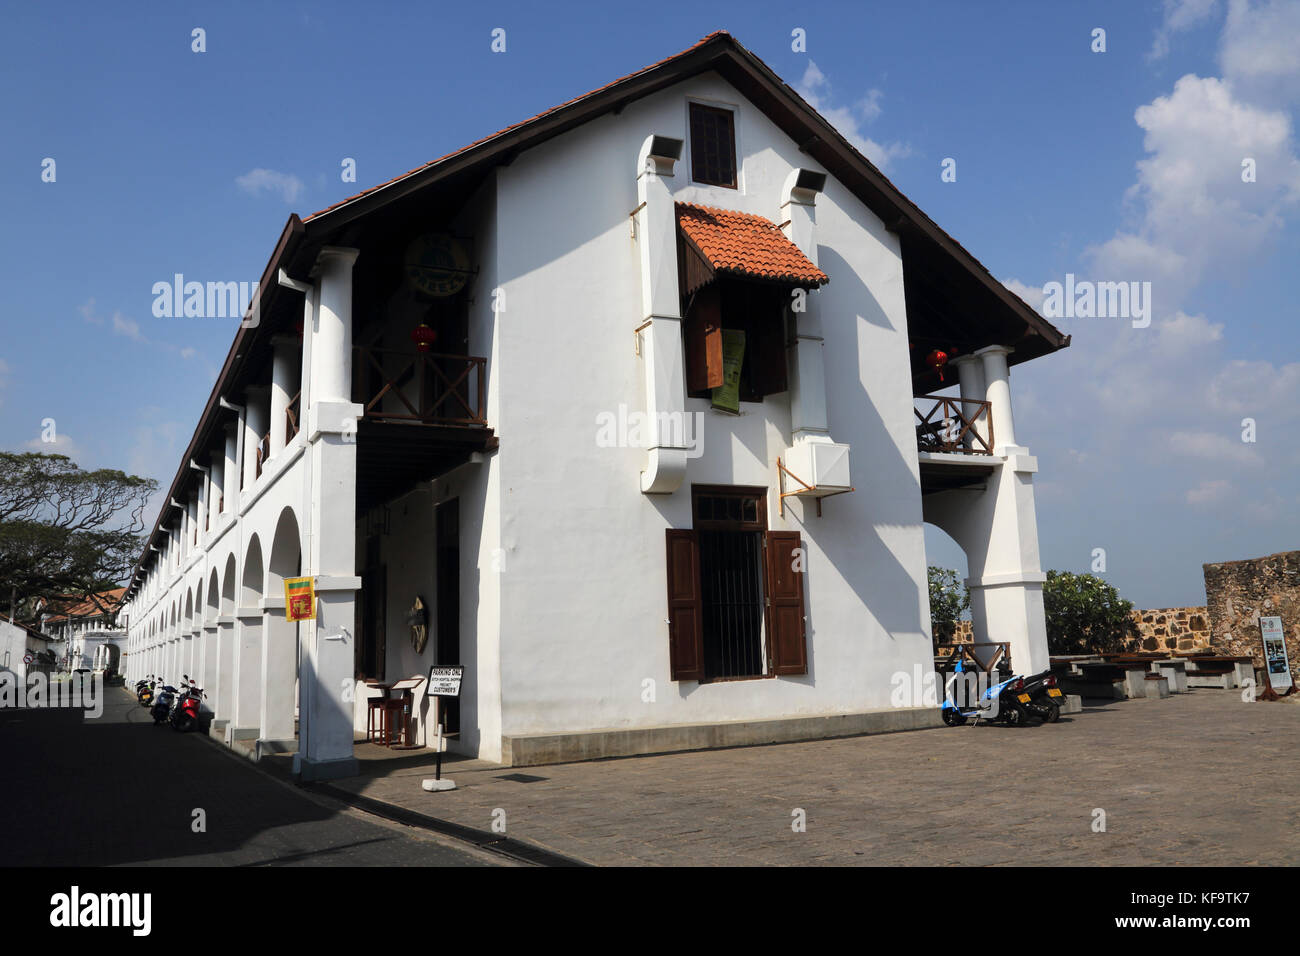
(785, 607)
(685, 607)
(704, 341)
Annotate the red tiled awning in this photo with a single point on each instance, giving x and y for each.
(743, 244)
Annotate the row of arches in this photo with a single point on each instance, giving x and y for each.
(220, 629)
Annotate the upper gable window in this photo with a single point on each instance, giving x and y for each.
(713, 146)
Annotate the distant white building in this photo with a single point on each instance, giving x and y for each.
(627, 396)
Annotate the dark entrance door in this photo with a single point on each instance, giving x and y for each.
(371, 647)
(447, 533)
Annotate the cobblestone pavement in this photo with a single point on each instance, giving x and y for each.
(1199, 778)
(118, 790)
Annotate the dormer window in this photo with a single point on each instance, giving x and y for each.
(713, 146)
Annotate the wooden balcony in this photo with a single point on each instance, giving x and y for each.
(957, 426)
(430, 388)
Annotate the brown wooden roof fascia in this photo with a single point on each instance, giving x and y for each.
(236, 359)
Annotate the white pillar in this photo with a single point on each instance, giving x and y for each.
(970, 376)
(256, 398)
(998, 392)
(283, 362)
(230, 483)
(332, 345)
(216, 486)
(325, 677)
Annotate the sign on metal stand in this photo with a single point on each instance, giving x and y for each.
(1277, 667)
(444, 681)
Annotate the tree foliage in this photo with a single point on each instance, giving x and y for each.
(948, 599)
(1086, 615)
(65, 532)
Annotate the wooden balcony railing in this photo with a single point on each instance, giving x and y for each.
(427, 387)
(960, 426)
(291, 414)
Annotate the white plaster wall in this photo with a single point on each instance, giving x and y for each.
(583, 602)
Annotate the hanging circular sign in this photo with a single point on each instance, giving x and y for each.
(436, 264)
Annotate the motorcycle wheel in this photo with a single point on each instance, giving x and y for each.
(1052, 713)
(183, 723)
(1015, 716)
(953, 717)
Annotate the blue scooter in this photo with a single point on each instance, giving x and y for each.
(1004, 701)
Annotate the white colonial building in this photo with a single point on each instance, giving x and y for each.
(626, 396)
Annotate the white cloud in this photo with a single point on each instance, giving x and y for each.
(127, 327)
(1179, 16)
(1209, 491)
(1258, 49)
(1184, 331)
(61, 445)
(815, 87)
(1254, 388)
(87, 311)
(187, 353)
(1212, 446)
(259, 181)
(1195, 213)
(1033, 295)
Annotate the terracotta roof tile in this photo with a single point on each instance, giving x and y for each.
(744, 244)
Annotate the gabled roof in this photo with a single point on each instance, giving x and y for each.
(65, 608)
(718, 52)
(743, 244)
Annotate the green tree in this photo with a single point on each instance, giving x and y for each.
(1086, 615)
(948, 598)
(65, 532)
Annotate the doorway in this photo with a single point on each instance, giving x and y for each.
(447, 652)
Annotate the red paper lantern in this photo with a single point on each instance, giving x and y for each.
(937, 360)
(423, 337)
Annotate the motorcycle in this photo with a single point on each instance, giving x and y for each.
(1005, 701)
(162, 704)
(1045, 697)
(144, 691)
(185, 714)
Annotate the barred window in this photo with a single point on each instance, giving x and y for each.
(713, 146)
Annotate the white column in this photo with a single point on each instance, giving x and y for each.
(283, 362)
(256, 399)
(998, 392)
(332, 346)
(230, 484)
(325, 676)
(970, 376)
(216, 485)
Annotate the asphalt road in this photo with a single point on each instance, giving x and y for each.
(117, 790)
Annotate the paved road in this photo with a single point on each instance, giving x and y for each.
(117, 790)
(1199, 778)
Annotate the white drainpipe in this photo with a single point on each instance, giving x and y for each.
(660, 329)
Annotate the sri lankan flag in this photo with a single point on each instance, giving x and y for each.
(299, 599)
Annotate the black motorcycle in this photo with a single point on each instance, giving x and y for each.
(163, 703)
(1044, 697)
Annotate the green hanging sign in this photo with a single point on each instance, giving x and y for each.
(726, 397)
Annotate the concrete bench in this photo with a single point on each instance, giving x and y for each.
(1174, 671)
(1155, 686)
(1221, 672)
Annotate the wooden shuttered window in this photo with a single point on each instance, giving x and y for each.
(785, 605)
(787, 649)
(685, 606)
(704, 341)
(713, 146)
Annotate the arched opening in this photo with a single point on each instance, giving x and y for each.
(280, 650)
(248, 648)
(945, 553)
(222, 695)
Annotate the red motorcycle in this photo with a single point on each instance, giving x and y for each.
(185, 715)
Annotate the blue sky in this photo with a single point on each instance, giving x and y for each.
(1122, 165)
